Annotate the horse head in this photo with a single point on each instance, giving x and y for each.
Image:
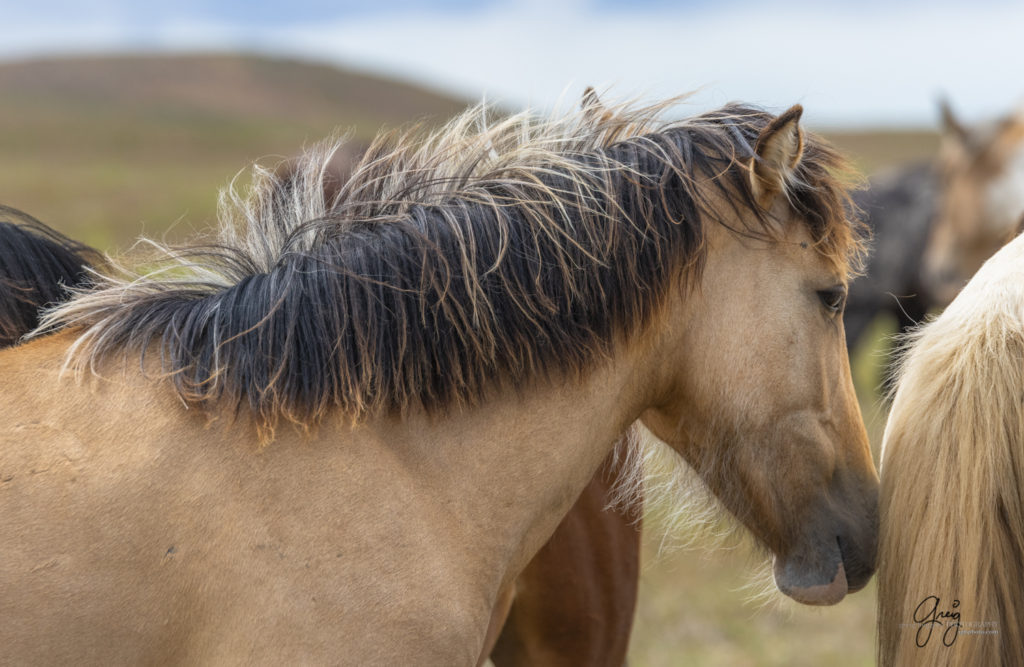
(766, 412)
(981, 169)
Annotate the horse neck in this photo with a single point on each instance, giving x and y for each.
(492, 481)
(510, 470)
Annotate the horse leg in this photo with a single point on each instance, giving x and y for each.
(574, 602)
(498, 618)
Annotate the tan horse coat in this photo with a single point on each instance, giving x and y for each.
(137, 530)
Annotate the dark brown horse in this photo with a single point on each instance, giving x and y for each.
(899, 206)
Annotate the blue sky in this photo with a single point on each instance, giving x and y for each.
(863, 63)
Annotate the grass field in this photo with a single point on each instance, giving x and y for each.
(104, 149)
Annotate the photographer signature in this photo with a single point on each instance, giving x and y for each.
(928, 615)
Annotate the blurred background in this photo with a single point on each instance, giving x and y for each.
(120, 118)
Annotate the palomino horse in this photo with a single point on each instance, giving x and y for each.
(951, 566)
(340, 434)
(37, 263)
(981, 173)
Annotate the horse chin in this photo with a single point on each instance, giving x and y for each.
(819, 580)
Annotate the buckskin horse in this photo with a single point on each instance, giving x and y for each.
(572, 604)
(952, 530)
(340, 433)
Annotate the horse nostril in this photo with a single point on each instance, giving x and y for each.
(859, 566)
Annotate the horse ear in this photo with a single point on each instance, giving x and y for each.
(592, 107)
(951, 125)
(776, 154)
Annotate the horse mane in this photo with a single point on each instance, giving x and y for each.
(37, 266)
(952, 496)
(486, 253)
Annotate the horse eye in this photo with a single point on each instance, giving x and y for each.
(833, 299)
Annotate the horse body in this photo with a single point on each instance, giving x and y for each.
(146, 523)
(899, 207)
(575, 600)
(177, 541)
(952, 546)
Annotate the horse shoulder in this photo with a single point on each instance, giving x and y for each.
(175, 531)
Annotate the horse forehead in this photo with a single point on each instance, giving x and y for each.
(791, 250)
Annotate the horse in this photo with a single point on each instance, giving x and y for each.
(572, 604)
(899, 205)
(933, 223)
(339, 434)
(981, 173)
(37, 265)
(951, 553)
(576, 597)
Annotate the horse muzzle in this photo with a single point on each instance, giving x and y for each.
(830, 564)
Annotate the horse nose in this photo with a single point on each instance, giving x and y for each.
(857, 533)
(860, 558)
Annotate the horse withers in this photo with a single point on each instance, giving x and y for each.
(338, 435)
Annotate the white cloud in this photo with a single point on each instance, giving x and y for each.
(858, 65)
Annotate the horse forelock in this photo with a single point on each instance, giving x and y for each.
(479, 255)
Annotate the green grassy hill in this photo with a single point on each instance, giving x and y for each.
(104, 147)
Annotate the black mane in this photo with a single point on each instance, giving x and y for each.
(447, 267)
(37, 265)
